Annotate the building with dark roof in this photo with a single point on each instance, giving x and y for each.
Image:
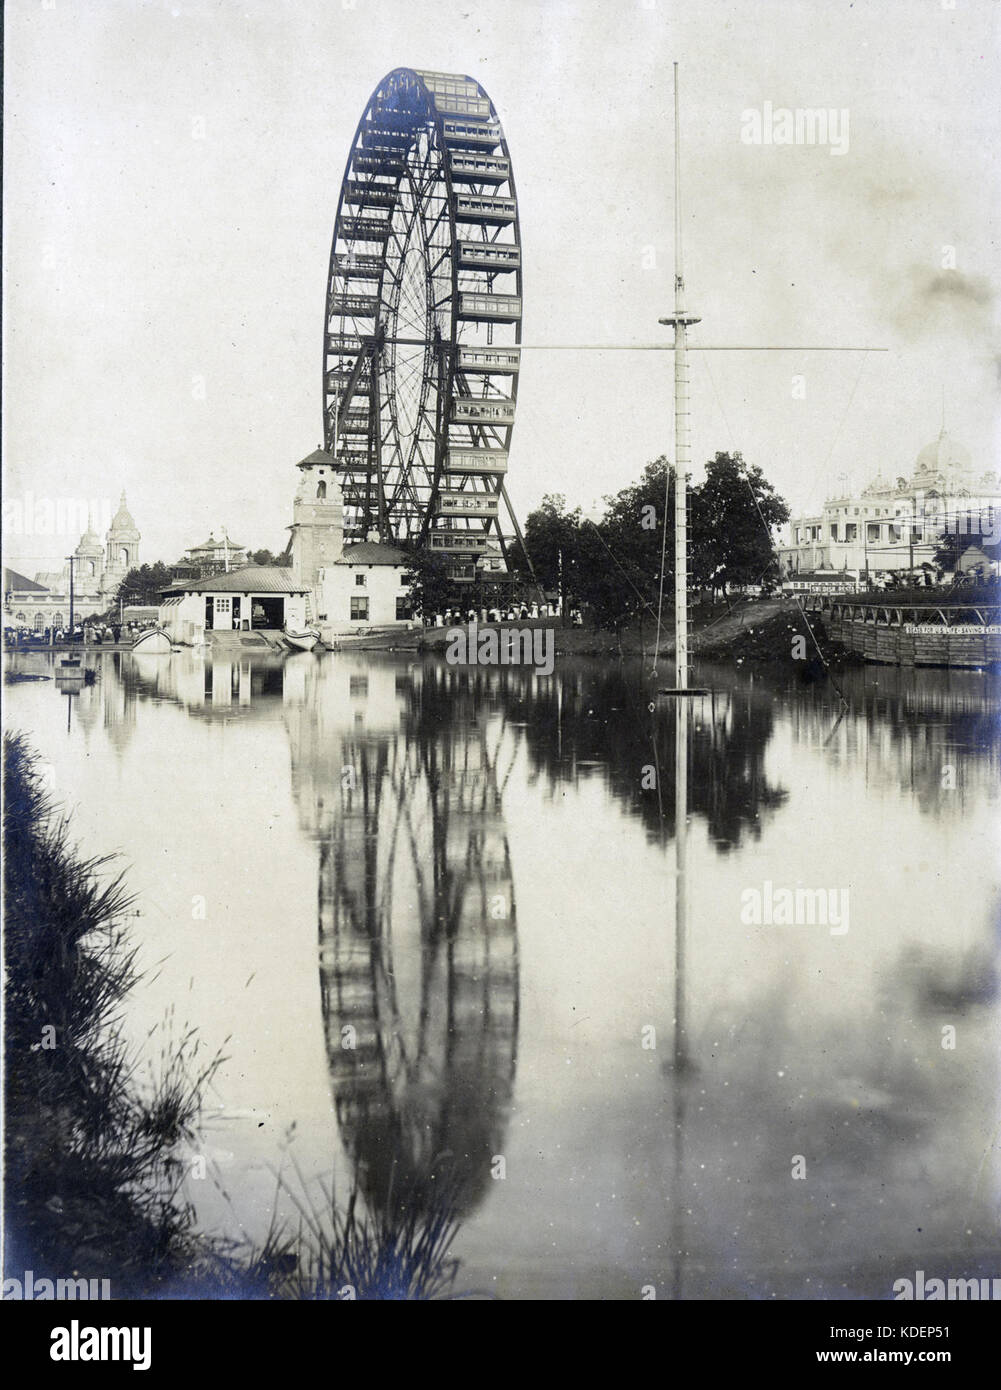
(216, 554)
(252, 598)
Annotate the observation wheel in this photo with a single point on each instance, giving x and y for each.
(423, 319)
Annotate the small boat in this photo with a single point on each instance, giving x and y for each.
(303, 641)
(155, 642)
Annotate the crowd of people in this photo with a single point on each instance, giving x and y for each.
(90, 634)
(523, 612)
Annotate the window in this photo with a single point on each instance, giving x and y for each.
(402, 607)
(39, 621)
(19, 617)
(359, 610)
(872, 530)
(834, 533)
(222, 605)
(359, 581)
(57, 620)
(851, 530)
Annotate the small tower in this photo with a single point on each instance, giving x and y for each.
(89, 558)
(123, 541)
(317, 518)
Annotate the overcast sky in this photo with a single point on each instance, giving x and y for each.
(171, 178)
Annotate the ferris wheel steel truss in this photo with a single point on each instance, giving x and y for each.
(421, 350)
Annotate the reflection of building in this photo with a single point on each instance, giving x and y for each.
(223, 686)
(254, 598)
(417, 924)
(896, 525)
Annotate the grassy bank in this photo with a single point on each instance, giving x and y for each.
(745, 631)
(92, 1188)
(95, 1137)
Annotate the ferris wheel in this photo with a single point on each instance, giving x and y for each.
(423, 319)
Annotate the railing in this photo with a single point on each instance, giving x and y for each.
(922, 634)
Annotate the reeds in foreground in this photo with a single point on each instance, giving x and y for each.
(95, 1184)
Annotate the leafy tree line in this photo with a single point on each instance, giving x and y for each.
(612, 569)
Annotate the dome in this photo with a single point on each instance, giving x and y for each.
(122, 523)
(944, 456)
(89, 543)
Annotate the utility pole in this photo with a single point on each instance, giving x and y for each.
(71, 559)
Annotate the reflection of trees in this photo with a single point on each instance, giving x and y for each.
(418, 937)
(601, 716)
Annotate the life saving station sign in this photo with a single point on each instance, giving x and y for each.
(954, 629)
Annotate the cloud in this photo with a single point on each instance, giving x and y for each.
(925, 301)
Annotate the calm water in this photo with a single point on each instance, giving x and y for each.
(429, 916)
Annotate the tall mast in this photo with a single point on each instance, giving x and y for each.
(680, 319)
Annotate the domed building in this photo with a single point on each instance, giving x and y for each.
(98, 571)
(943, 465)
(122, 548)
(894, 527)
(88, 559)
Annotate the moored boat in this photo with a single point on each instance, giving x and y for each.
(155, 642)
(303, 641)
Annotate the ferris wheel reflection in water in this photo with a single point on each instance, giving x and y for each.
(417, 927)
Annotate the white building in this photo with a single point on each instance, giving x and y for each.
(366, 587)
(895, 526)
(353, 588)
(253, 599)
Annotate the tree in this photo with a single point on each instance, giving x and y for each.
(552, 539)
(432, 588)
(143, 585)
(264, 557)
(733, 515)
